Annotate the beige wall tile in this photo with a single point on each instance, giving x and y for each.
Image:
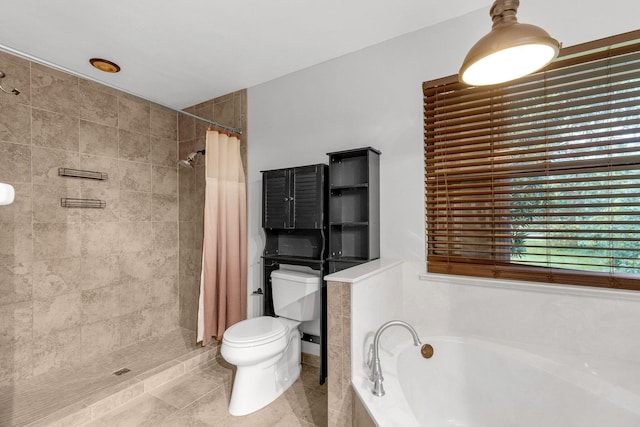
(98, 139)
(164, 207)
(165, 235)
(134, 146)
(100, 304)
(15, 329)
(47, 205)
(165, 318)
(134, 114)
(134, 176)
(109, 213)
(164, 152)
(54, 90)
(346, 300)
(54, 130)
(45, 165)
(361, 417)
(97, 105)
(164, 123)
(99, 270)
(16, 243)
(224, 112)
(108, 165)
(136, 267)
(164, 291)
(134, 206)
(16, 362)
(136, 237)
(56, 277)
(204, 110)
(164, 263)
(135, 295)
(56, 349)
(56, 314)
(334, 376)
(51, 241)
(135, 326)
(16, 282)
(15, 162)
(99, 338)
(165, 180)
(188, 302)
(21, 208)
(15, 122)
(186, 127)
(100, 238)
(187, 235)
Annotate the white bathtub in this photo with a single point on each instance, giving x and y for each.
(477, 383)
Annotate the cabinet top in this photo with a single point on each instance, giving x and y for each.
(295, 167)
(354, 150)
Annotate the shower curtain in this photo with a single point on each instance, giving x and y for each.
(223, 280)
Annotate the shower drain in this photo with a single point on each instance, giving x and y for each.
(122, 371)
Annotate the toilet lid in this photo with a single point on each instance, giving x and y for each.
(257, 330)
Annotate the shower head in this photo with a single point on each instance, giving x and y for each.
(188, 162)
(185, 163)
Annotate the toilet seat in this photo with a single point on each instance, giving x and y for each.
(254, 332)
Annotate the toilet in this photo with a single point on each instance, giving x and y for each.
(266, 350)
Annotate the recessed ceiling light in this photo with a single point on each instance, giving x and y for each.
(105, 65)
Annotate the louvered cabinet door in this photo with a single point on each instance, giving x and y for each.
(276, 212)
(308, 203)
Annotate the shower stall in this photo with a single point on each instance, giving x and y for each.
(98, 300)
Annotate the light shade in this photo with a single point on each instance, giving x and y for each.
(7, 194)
(510, 51)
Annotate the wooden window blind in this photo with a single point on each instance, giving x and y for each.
(539, 179)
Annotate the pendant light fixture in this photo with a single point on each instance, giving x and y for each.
(510, 51)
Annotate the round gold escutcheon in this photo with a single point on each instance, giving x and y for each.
(427, 351)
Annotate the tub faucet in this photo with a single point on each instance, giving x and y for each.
(376, 369)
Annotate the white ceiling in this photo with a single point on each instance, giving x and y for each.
(179, 53)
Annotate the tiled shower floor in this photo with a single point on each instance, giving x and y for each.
(171, 382)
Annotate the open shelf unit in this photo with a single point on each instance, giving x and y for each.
(354, 207)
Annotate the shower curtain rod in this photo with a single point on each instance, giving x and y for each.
(216, 124)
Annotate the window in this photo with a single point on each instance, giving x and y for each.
(539, 179)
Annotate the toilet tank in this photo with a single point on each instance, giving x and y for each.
(296, 294)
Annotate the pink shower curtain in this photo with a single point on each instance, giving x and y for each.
(223, 282)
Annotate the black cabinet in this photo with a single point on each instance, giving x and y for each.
(354, 207)
(295, 222)
(294, 198)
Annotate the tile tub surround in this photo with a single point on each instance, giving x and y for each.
(77, 283)
(343, 353)
(588, 328)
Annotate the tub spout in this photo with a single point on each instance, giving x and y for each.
(376, 369)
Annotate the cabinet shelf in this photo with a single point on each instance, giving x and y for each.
(293, 259)
(350, 187)
(348, 259)
(350, 224)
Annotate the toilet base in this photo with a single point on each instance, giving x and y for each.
(247, 397)
(256, 386)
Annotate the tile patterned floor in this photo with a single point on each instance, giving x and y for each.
(201, 398)
(198, 397)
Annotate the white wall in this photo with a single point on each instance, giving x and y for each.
(374, 98)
